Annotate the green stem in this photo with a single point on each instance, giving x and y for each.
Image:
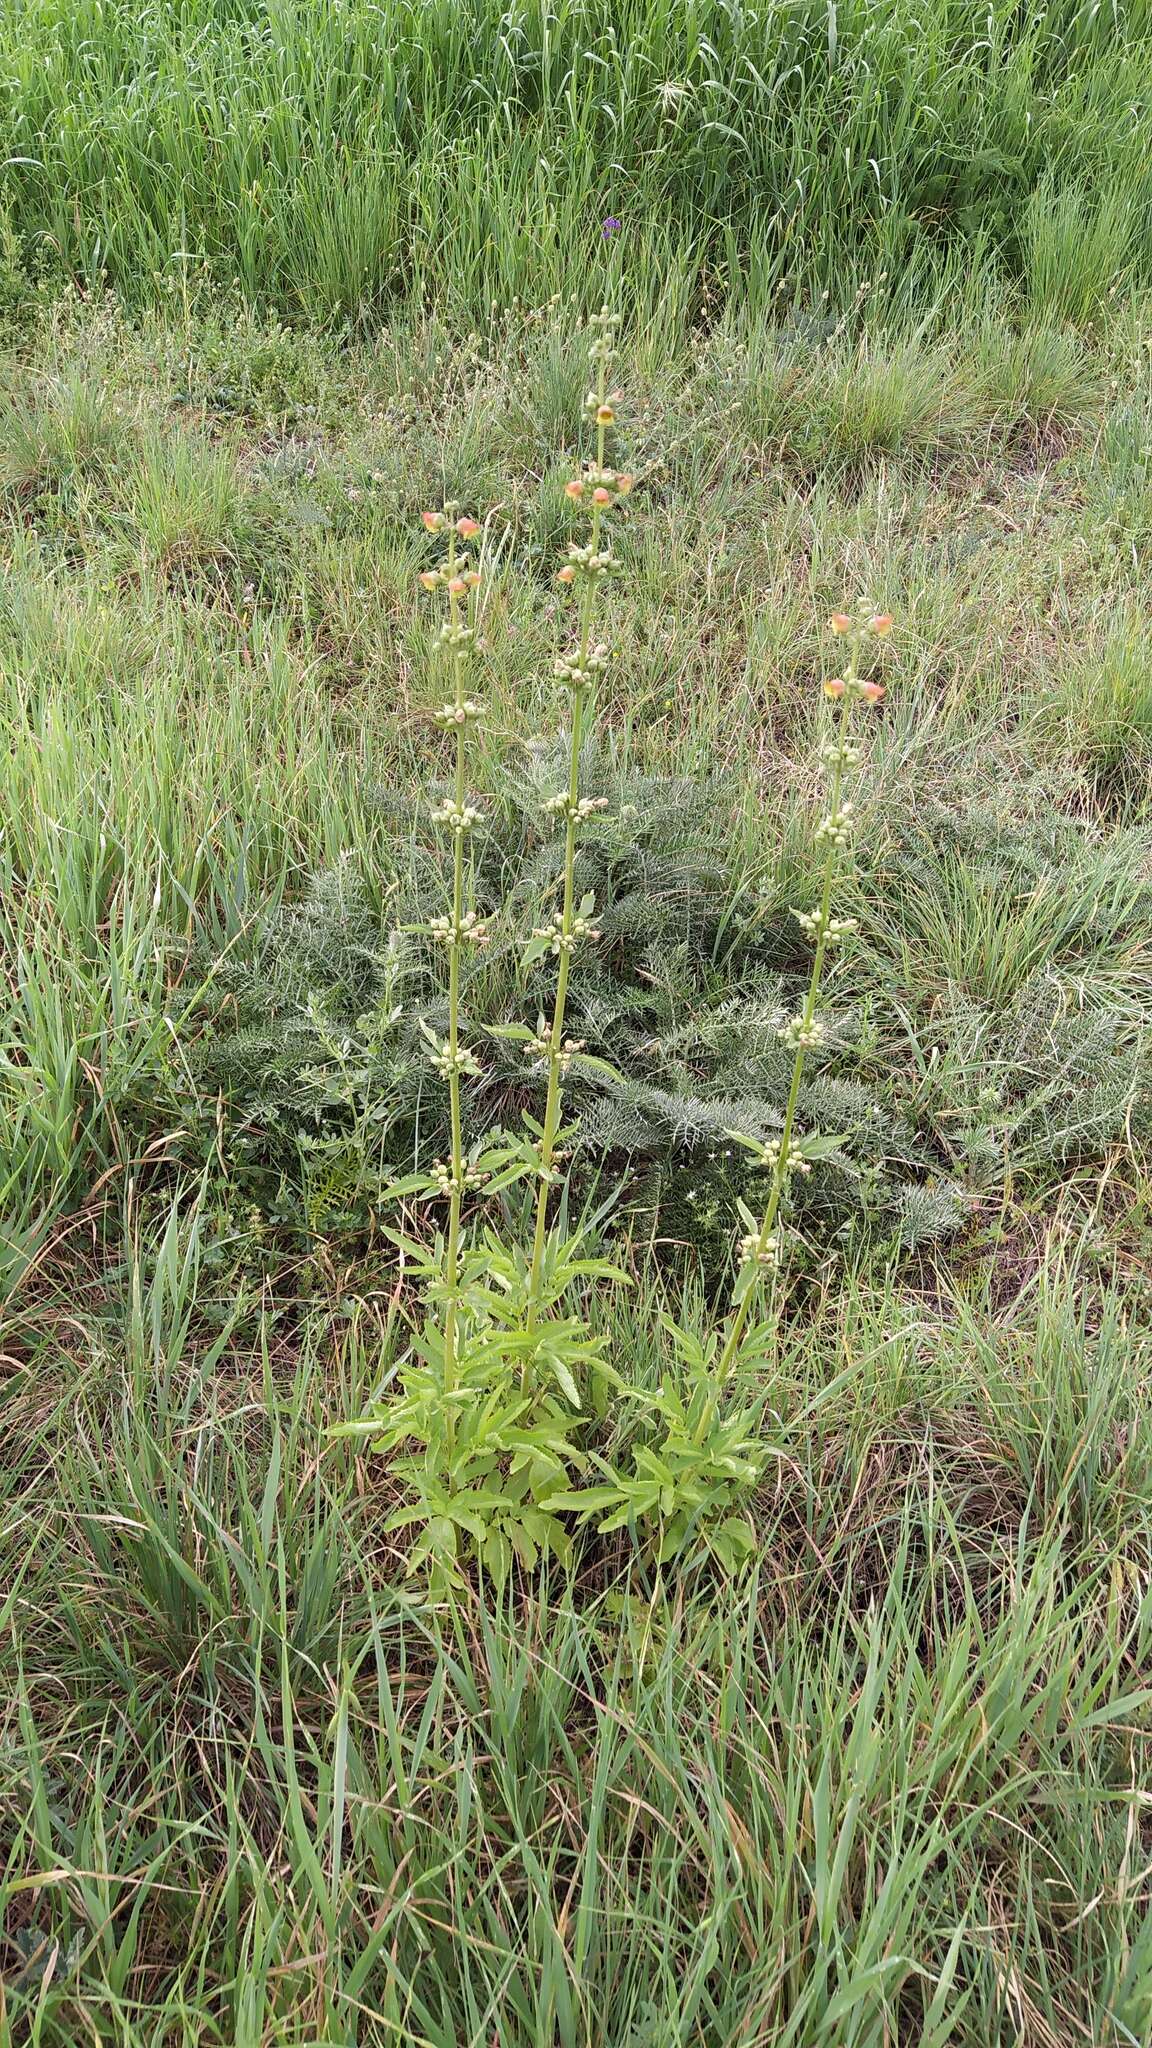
(452, 1255)
(739, 1318)
(554, 1101)
(555, 1097)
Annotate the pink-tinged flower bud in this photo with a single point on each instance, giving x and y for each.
(840, 622)
(881, 624)
(457, 586)
(472, 578)
(430, 578)
(601, 497)
(834, 687)
(433, 521)
(624, 484)
(566, 574)
(466, 528)
(872, 692)
(605, 416)
(575, 489)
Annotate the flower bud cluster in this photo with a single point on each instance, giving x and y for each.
(605, 487)
(879, 624)
(566, 941)
(438, 522)
(836, 828)
(792, 1161)
(540, 1048)
(457, 585)
(767, 1254)
(447, 1062)
(471, 930)
(577, 673)
(577, 808)
(838, 752)
(467, 712)
(454, 634)
(602, 410)
(449, 1183)
(588, 562)
(799, 1034)
(817, 924)
(602, 346)
(457, 817)
(856, 689)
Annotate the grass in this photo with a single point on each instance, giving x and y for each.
(254, 1794)
(335, 160)
(256, 1787)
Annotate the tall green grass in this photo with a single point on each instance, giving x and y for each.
(892, 1792)
(334, 156)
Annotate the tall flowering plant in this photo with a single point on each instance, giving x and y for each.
(460, 927)
(762, 1247)
(487, 1404)
(485, 1415)
(598, 488)
(690, 1483)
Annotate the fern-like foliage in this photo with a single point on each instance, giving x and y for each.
(314, 1043)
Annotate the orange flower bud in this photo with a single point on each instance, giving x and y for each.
(566, 574)
(840, 622)
(624, 484)
(872, 692)
(472, 578)
(430, 578)
(433, 521)
(457, 585)
(467, 527)
(834, 687)
(575, 489)
(881, 624)
(601, 497)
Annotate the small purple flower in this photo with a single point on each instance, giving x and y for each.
(611, 227)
